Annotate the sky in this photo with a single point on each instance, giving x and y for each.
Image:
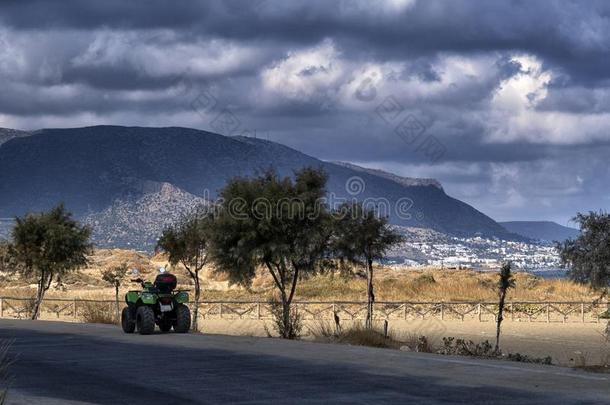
(507, 103)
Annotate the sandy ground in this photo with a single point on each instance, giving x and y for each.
(568, 344)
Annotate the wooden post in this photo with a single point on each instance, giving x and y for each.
(1, 308)
(404, 311)
(582, 311)
(512, 312)
(385, 328)
(220, 310)
(479, 311)
(548, 313)
(258, 310)
(74, 308)
(442, 312)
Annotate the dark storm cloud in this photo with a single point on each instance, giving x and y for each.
(506, 87)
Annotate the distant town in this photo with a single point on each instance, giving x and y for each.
(424, 247)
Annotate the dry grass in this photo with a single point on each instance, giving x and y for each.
(356, 335)
(391, 284)
(92, 312)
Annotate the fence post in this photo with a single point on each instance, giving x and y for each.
(1, 308)
(442, 312)
(582, 311)
(512, 312)
(479, 311)
(258, 310)
(548, 313)
(74, 308)
(220, 310)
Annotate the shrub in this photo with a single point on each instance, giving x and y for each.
(289, 328)
(462, 347)
(548, 360)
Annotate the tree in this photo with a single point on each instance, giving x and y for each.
(47, 246)
(362, 237)
(587, 257)
(276, 223)
(187, 243)
(114, 276)
(505, 281)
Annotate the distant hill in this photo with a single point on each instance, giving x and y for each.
(541, 230)
(7, 134)
(102, 170)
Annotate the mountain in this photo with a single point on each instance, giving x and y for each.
(7, 134)
(541, 230)
(139, 222)
(94, 170)
(405, 181)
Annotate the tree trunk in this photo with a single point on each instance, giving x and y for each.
(370, 296)
(287, 329)
(116, 299)
(500, 318)
(43, 286)
(196, 303)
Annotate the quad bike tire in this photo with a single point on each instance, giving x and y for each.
(165, 326)
(182, 324)
(127, 322)
(145, 320)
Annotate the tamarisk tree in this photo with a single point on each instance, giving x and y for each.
(187, 243)
(587, 257)
(47, 246)
(361, 237)
(275, 223)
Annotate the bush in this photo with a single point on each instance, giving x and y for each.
(548, 360)
(462, 347)
(290, 330)
(96, 312)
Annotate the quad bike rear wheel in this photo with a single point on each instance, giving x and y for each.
(145, 320)
(127, 322)
(182, 323)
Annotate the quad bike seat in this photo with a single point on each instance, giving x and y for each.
(166, 283)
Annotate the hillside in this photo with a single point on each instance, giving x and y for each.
(7, 134)
(541, 230)
(93, 170)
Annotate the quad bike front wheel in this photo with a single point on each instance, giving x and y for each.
(145, 320)
(127, 322)
(182, 323)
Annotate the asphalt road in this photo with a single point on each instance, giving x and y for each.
(64, 363)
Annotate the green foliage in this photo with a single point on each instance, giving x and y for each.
(587, 257)
(188, 243)
(115, 275)
(277, 223)
(361, 235)
(48, 245)
(506, 279)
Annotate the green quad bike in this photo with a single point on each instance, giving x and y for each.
(157, 303)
